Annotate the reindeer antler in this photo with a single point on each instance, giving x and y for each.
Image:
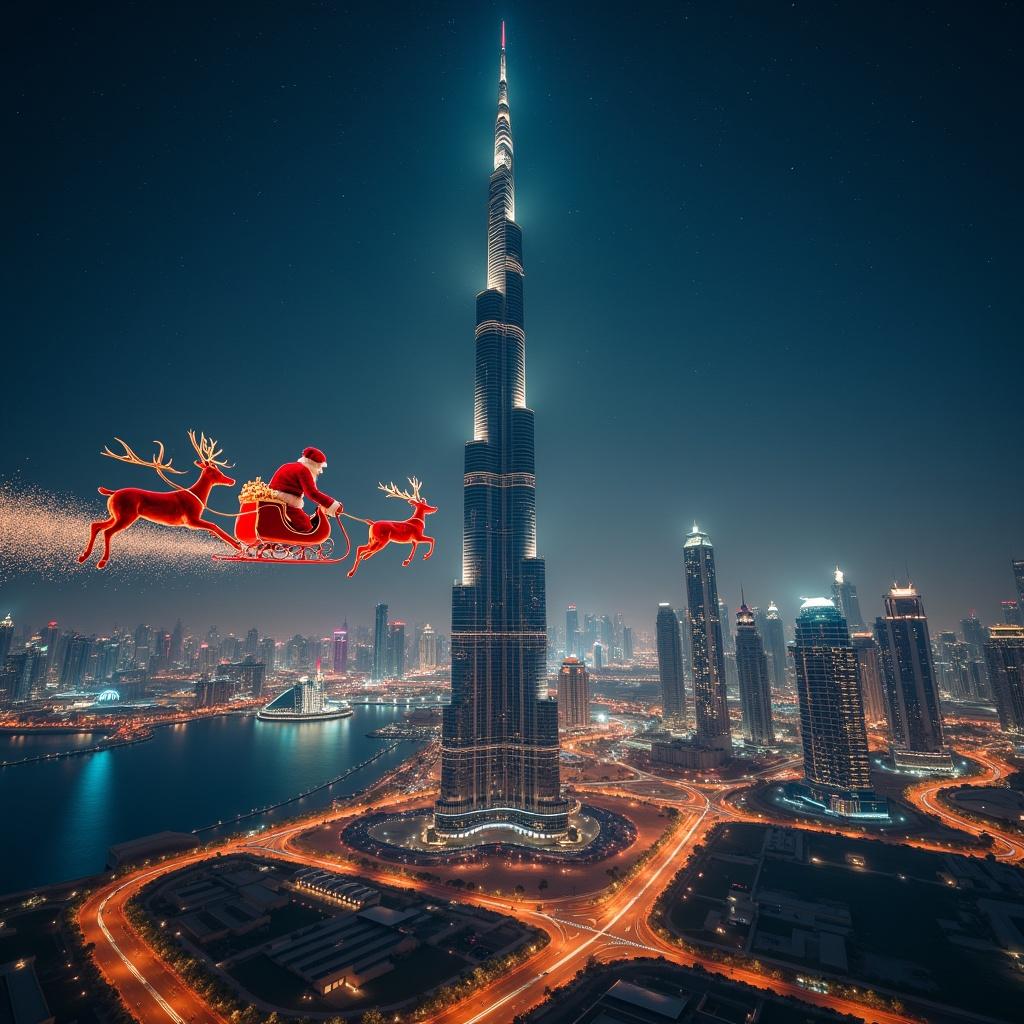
(207, 450)
(393, 492)
(157, 462)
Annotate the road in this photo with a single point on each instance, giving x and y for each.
(614, 925)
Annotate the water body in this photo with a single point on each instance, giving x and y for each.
(60, 817)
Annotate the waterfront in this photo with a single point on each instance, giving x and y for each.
(64, 815)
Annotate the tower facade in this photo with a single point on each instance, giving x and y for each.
(573, 695)
(1004, 652)
(775, 642)
(572, 633)
(706, 653)
(837, 777)
(380, 643)
(499, 738)
(869, 667)
(844, 594)
(670, 667)
(755, 687)
(911, 687)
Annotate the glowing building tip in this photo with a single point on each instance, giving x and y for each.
(839, 575)
(816, 602)
(503, 35)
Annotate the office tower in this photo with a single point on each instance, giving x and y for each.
(339, 650)
(380, 643)
(590, 634)
(726, 621)
(1004, 652)
(706, 654)
(1012, 613)
(107, 657)
(837, 777)
(572, 628)
(51, 638)
(248, 676)
(598, 656)
(177, 643)
(869, 668)
(670, 668)
(955, 674)
(268, 653)
(396, 650)
(627, 644)
(77, 655)
(499, 737)
(974, 633)
(6, 636)
(775, 642)
(573, 695)
(19, 672)
(912, 694)
(252, 643)
(754, 684)
(844, 595)
(1017, 564)
(428, 647)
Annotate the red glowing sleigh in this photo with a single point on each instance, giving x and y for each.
(263, 532)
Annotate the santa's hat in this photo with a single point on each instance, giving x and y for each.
(314, 455)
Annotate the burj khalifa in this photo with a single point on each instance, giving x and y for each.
(499, 745)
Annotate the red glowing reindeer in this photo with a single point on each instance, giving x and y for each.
(180, 507)
(406, 531)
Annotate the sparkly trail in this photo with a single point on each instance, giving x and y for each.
(44, 533)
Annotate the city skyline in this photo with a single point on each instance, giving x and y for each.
(339, 220)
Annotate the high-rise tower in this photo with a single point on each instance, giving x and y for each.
(755, 688)
(775, 642)
(912, 691)
(670, 668)
(844, 594)
(706, 654)
(837, 775)
(1005, 653)
(499, 740)
(380, 643)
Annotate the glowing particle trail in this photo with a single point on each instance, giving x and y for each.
(42, 533)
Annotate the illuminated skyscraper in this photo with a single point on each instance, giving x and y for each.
(573, 695)
(1004, 652)
(775, 642)
(572, 631)
(869, 668)
(844, 594)
(754, 684)
(670, 668)
(912, 692)
(837, 777)
(6, 636)
(428, 647)
(339, 650)
(380, 643)
(499, 737)
(396, 650)
(1012, 615)
(1018, 575)
(706, 654)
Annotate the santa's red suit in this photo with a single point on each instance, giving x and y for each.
(295, 479)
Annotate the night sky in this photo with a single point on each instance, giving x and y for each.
(773, 284)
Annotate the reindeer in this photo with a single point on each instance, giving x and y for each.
(407, 531)
(180, 507)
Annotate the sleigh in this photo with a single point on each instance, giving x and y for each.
(266, 535)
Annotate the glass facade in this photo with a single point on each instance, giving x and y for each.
(755, 688)
(912, 695)
(706, 654)
(835, 743)
(499, 745)
(670, 668)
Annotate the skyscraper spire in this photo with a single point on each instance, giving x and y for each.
(499, 737)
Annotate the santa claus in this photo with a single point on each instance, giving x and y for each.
(295, 479)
